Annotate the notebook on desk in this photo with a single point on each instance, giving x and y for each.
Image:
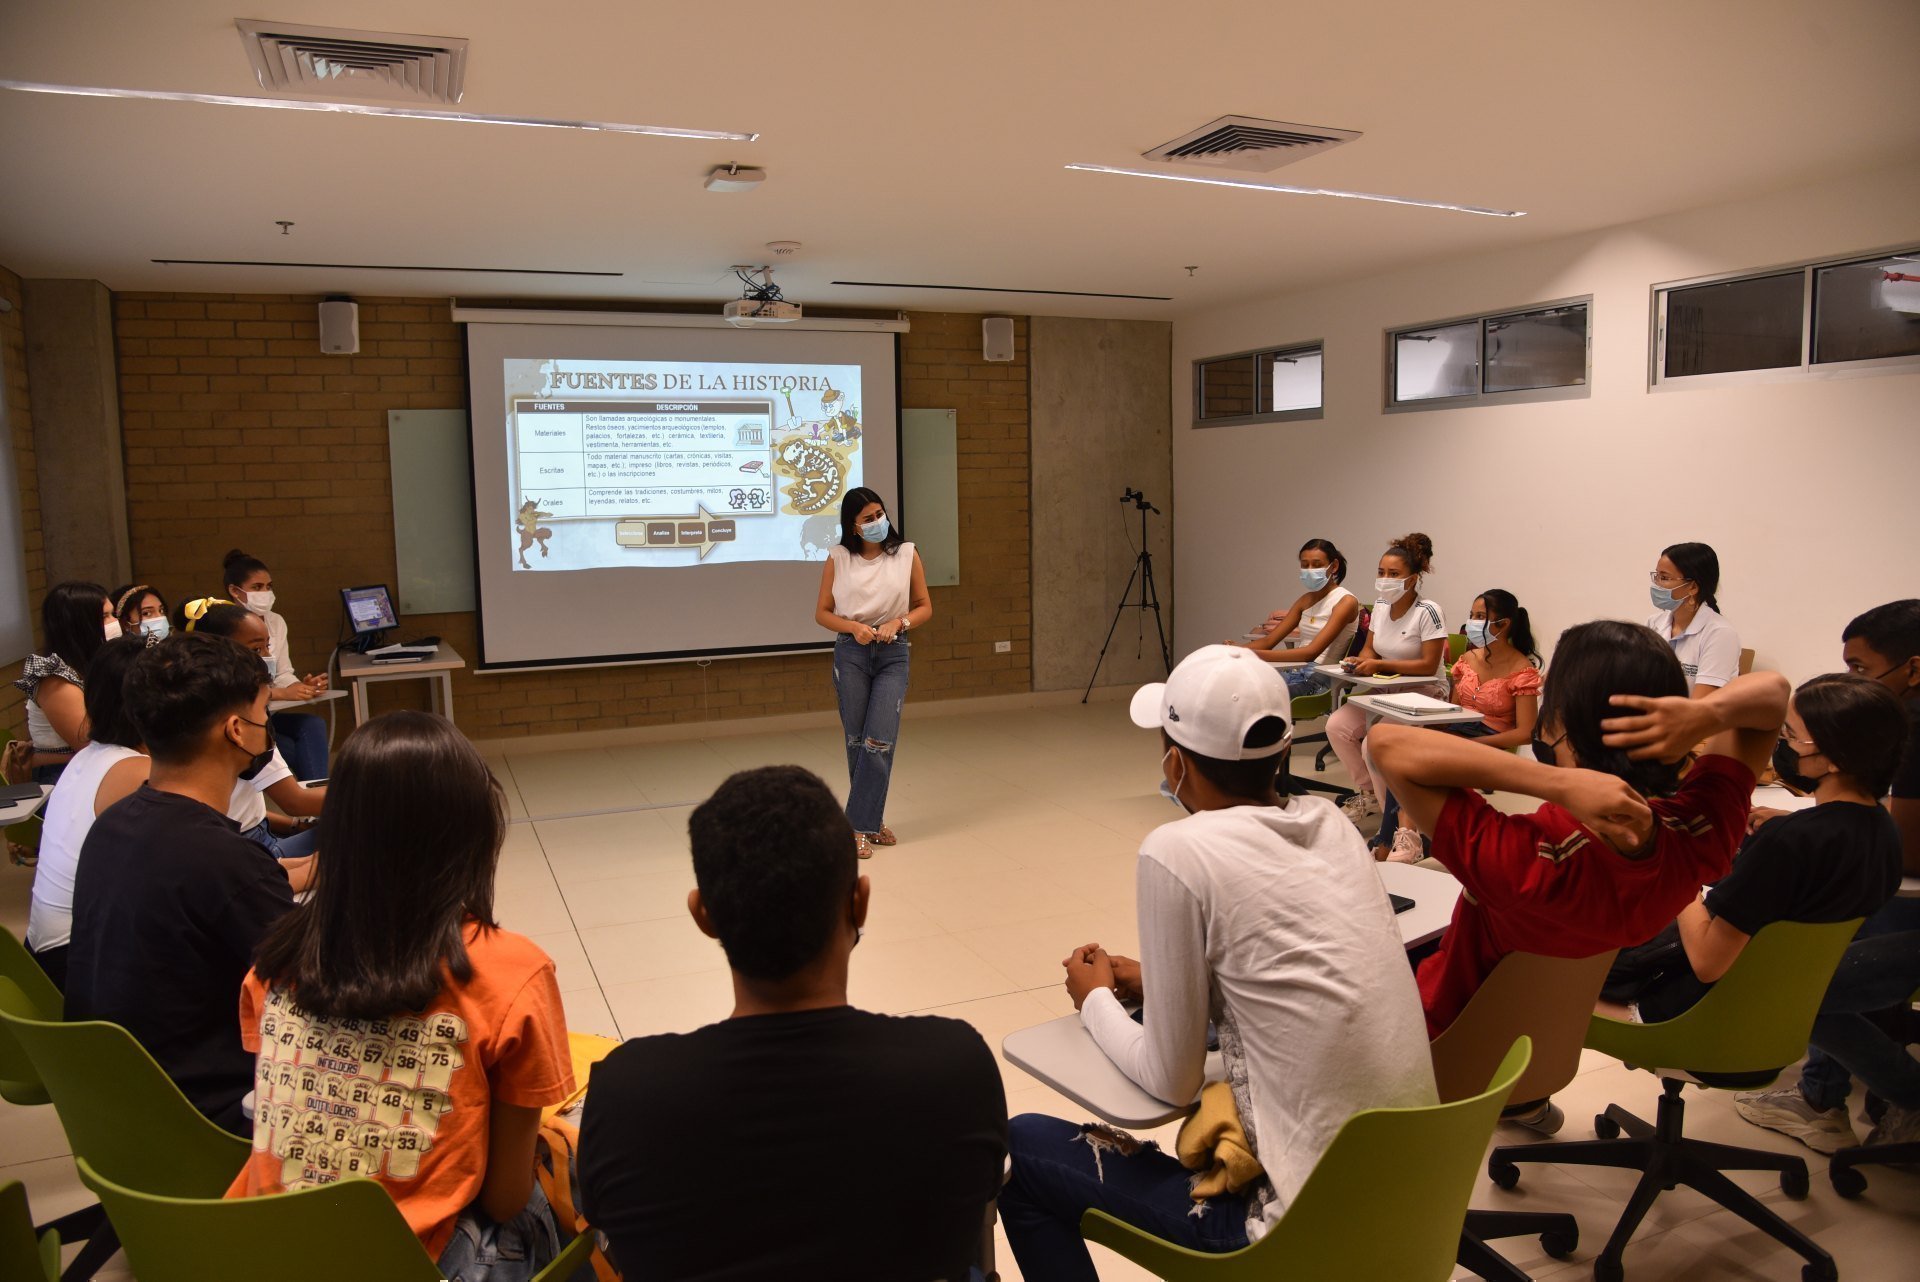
(1415, 705)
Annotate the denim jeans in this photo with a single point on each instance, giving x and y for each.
(1061, 1168)
(482, 1250)
(871, 683)
(1876, 972)
(291, 846)
(1823, 1078)
(1304, 681)
(1390, 809)
(302, 739)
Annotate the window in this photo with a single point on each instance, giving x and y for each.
(1272, 385)
(1825, 317)
(1536, 354)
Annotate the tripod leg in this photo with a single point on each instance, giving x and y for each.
(1150, 593)
(1111, 629)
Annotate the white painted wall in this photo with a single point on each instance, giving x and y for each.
(1809, 490)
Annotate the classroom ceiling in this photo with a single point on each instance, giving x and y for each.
(922, 144)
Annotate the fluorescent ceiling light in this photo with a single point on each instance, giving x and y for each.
(1301, 191)
(362, 109)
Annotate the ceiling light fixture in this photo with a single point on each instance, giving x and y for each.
(363, 109)
(1302, 191)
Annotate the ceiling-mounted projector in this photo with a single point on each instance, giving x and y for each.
(761, 304)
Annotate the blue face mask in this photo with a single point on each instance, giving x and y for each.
(1314, 579)
(156, 630)
(1664, 599)
(875, 531)
(1478, 633)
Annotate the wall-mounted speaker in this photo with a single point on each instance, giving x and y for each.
(996, 338)
(340, 327)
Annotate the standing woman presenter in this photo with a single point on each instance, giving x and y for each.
(872, 592)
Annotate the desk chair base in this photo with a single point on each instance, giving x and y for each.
(1559, 1238)
(1848, 1182)
(1666, 1159)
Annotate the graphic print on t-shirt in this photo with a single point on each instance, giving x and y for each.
(338, 1099)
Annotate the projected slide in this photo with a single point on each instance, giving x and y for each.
(657, 463)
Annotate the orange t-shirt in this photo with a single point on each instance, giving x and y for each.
(404, 1100)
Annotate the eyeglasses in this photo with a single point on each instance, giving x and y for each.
(1664, 580)
(1784, 737)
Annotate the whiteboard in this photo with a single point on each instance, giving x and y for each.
(930, 483)
(432, 510)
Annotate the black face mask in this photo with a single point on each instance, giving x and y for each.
(261, 758)
(1543, 751)
(1786, 764)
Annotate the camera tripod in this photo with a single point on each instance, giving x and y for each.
(1149, 595)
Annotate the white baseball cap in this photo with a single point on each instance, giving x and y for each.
(1212, 698)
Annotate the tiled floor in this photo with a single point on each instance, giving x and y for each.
(1017, 838)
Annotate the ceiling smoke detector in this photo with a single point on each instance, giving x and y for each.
(734, 178)
(783, 247)
(1246, 143)
(360, 64)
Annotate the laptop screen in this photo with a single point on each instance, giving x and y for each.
(370, 609)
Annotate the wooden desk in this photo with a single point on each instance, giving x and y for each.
(359, 672)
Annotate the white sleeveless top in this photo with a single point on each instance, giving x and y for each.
(872, 592)
(1315, 618)
(64, 825)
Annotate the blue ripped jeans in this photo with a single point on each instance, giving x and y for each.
(871, 683)
(482, 1250)
(1059, 1172)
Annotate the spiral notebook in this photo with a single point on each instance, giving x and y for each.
(1415, 705)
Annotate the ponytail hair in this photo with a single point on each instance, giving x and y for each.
(1415, 549)
(1336, 563)
(1502, 604)
(1700, 563)
(238, 567)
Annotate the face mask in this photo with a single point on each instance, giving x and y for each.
(1664, 599)
(258, 602)
(1314, 579)
(1543, 752)
(156, 629)
(1185, 808)
(1478, 633)
(875, 531)
(1786, 764)
(266, 661)
(259, 760)
(1390, 590)
(112, 628)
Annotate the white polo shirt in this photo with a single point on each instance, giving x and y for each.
(1709, 649)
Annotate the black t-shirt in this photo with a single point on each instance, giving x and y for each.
(821, 1144)
(1826, 863)
(1906, 779)
(169, 902)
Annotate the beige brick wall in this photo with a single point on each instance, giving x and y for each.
(240, 434)
(13, 375)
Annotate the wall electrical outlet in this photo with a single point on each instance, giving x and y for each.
(1003, 647)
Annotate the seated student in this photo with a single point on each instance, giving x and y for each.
(110, 767)
(142, 613)
(1626, 838)
(1407, 636)
(1316, 628)
(1499, 678)
(304, 735)
(800, 1137)
(395, 969)
(1837, 860)
(288, 836)
(1687, 615)
(76, 619)
(170, 901)
(1260, 911)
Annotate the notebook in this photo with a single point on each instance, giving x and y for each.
(1415, 705)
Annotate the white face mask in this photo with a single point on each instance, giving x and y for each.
(1183, 779)
(112, 628)
(258, 602)
(1390, 590)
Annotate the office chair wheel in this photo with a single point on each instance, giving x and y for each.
(1560, 1245)
(1605, 1270)
(1502, 1172)
(1828, 1272)
(1793, 1182)
(1847, 1182)
(1605, 1127)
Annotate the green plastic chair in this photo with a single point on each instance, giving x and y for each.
(351, 1228)
(1366, 1211)
(1739, 1036)
(23, 1257)
(19, 1080)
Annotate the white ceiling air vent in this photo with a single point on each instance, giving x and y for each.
(1242, 142)
(356, 64)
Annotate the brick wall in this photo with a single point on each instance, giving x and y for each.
(13, 378)
(239, 433)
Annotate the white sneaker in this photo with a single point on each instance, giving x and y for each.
(1786, 1110)
(1897, 1126)
(1407, 847)
(1360, 807)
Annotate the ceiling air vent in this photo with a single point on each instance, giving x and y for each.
(1242, 142)
(357, 64)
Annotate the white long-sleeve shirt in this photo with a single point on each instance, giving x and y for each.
(1271, 921)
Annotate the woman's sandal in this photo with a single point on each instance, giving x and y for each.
(884, 837)
(862, 845)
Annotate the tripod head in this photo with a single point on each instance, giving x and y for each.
(1139, 501)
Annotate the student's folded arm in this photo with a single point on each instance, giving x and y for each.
(1278, 630)
(1740, 720)
(1166, 1054)
(295, 798)
(1711, 943)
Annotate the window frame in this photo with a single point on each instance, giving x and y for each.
(1582, 390)
(1315, 346)
(1808, 270)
